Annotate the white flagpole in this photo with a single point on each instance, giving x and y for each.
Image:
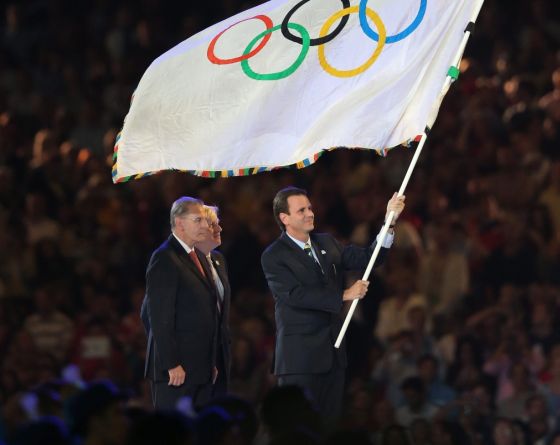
(452, 75)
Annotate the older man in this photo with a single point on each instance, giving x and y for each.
(217, 264)
(181, 311)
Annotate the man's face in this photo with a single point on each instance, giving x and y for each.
(192, 227)
(300, 217)
(213, 237)
(215, 231)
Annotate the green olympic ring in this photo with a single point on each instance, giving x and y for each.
(306, 40)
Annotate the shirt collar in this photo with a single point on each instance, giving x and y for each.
(298, 242)
(182, 243)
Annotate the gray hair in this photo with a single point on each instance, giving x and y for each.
(182, 206)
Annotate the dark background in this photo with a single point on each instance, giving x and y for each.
(478, 246)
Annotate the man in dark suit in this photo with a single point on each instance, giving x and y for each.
(181, 312)
(217, 264)
(305, 273)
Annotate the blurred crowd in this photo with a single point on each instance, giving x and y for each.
(457, 341)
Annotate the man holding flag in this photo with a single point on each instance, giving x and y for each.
(275, 86)
(305, 273)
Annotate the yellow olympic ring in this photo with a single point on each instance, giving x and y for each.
(327, 26)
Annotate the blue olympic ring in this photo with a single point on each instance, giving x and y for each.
(394, 38)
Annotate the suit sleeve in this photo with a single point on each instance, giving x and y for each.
(161, 294)
(356, 258)
(286, 287)
(144, 315)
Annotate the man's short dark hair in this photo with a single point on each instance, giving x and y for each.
(280, 203)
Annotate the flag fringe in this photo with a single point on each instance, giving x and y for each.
(245, 171)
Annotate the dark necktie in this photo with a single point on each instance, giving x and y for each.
(196, 261)
(307, 249)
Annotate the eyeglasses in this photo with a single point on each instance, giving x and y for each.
(195, 219)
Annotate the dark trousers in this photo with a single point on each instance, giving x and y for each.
(165, 397)
(326, 389)
(220, 387)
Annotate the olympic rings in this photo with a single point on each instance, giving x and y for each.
(318, 41)
(214, 59)
(394, 38)
(280, 74)
(354, 72)
(364, 13)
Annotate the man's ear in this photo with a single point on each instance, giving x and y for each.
(178, 224)
(283, 217)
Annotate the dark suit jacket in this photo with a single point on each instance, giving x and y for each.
(180, 315)
(219, 262)
(308, 300)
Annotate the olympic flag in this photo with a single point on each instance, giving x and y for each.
(282, 82)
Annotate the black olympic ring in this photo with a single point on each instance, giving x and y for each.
(320, 40)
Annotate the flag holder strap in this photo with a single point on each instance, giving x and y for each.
(452, 75)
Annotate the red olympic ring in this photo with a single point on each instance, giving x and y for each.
(218, 61)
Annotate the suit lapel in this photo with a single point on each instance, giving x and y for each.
(221, 270)
(319, 252)
(209, 280)
(305, 259)
(186, 260)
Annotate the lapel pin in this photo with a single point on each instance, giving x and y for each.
(323, 252)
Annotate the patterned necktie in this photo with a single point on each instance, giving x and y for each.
(196, 261)
(308, 251)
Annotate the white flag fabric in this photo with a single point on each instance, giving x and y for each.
(280, 83)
